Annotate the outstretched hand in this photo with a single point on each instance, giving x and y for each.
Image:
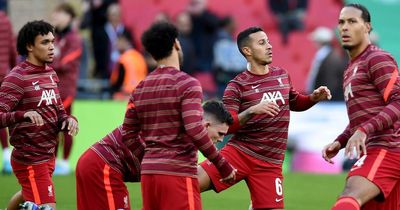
(330, 151)
(321, 93)
(72, 126)
(357, 142)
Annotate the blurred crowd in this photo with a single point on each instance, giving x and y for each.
(109, 62)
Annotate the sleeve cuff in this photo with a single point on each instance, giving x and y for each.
(224, 168)
(19, 116)
(342, 140)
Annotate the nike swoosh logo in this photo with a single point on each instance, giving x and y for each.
(34, 83)
(254, 87)
(278, 199)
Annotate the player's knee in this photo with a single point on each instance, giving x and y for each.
(351, 190)
(361, 189)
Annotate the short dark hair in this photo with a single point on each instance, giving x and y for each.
(218, 111)
(67, 8)
(159, 39)
(28, 33)
(364, 11)
(243, 37)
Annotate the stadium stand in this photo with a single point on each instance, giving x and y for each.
(295, 57)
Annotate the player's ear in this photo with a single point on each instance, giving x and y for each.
(207, 123)
(368, 27)
(246, 51)
(177, 45)
(29, 47)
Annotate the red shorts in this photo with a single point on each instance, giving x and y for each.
(36, 182)
(392, 202)
(165, 192)
(264, 180)
(98, 186)
(381, 167)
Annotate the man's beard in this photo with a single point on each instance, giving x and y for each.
(347, 47)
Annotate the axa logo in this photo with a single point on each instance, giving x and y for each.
(348, 92)
(48, 96)
(273, 96)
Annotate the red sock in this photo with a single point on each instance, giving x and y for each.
(346, 203)
(4, 138)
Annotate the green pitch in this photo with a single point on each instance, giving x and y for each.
(302, 192)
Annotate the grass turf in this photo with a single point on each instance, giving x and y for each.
(302, 192)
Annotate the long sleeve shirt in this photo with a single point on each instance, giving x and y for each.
(372, 93)
(165, 110)
(123, 156)
(262, 136)
(8, 54)
(31, 88)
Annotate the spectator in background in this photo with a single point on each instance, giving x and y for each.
(328, 64)
(228, 62)
(114, 28)
(290, 15)
(95, 18)
(8, 57)
(129, 70)
(162, 17)
(184, 25)
(204, 33)
(3, 5)
(68, 51)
